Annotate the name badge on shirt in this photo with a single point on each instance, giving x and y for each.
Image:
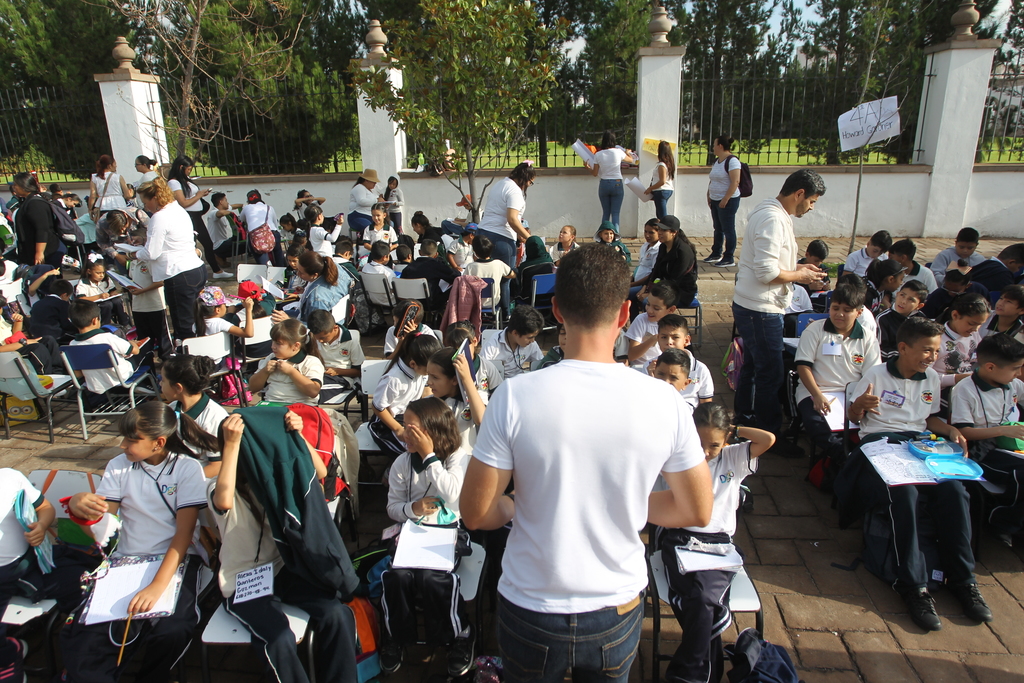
(831, 349)
(255, 583)
(892, 398)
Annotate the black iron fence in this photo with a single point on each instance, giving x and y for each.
(1002, 127)
(56, 132)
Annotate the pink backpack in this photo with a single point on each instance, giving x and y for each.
(733, 362)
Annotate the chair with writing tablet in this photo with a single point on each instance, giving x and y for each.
(20, 380)
(224, 629)
(372, 371)
(805, 319)
(250, 272)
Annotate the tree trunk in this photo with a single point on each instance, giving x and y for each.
(474, 206)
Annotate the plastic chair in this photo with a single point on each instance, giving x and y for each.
(260, 335)
(805, 319)
(697, 328)
(417, 288)
(492, 310)
(11, 290)
(841, 268)
(21, 382)
(377, 283)
(225, 629)
(543, 285)
(219, 347)
(372, 371)
(250, 271)
(276, 274)
(101, 357)
(487, 335)
(344, 400)
(340, 310)
(743, 597)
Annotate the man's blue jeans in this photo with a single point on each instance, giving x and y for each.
(504, 250)
(610, 194)
(757, 394)
(538, 647)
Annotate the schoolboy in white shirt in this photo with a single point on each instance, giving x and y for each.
(340, 352)
(378, 265)
(515, 347)
(831, 354)
(898, 400)
(643, 331)
(85, 315)
(460, 252)
(674, 333)
(673, 366)
(876, 248)
(1008, 315)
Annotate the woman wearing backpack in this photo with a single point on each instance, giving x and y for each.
(724, 201)
(34, 225)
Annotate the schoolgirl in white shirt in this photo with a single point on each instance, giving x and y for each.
(293, 373)
(95, 285)
(183, 382)
(404, 381)
(212, 305)
(156, 488)
(449, 379)
(320, 240)
(566, 243)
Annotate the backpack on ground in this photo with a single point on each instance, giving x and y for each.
(367, 639)
(757, 661)
(746, 187)
(67, 229)
(879, 553)
(732, 363)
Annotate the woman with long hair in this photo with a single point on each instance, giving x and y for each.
(661, 183)
(608, 167)
(33, 225)
(107, 188)
(144, 165)
(724, 201)
(502, 220)
(192, 199)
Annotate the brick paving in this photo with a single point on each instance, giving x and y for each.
(839, 626)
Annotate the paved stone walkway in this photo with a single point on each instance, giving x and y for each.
(839, 626)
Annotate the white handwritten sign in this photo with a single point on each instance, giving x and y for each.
(254, 583)
(869, 122)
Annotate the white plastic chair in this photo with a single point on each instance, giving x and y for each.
(340, 310)
(22, 382)
(260, 335)
(11, 290)
(417, 288)
(276, 274)
(448, 240)
(225, 629)
(377, 283)
(372, 371)
(250, 271)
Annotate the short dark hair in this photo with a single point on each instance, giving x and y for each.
(296, 250)
(969, 235)
(848, 294)
(428, 248)
(525, 320)
(919, 288)
(83, 312)
(805, 179)
(483, 247)
(402, 252)
(217, 196)
(714, 416)
(321, 321)
(1014, 293)
(818, 249)
(970, 303)
(591, 285)
(676, 357)
(379, 250)
(852, 279)
(882, 239)
(673, 321)
(1000, 349)
(957, 276)
(62, 287)
(1014, 252)
(905, 247)
(343, 244)
(915, 328)
(665, 291)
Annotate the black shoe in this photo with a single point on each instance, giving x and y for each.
(974, 605)
(461, 655)
(786, 448)
(921, 607)
(390, 654)
(712, 259)
(1005, 538)
(725, 263)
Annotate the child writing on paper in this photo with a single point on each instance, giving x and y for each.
(404, 381)
(700, 599)
(156, 487)
(831, 354)
(95, 285)
(248, 543)
(424, 486)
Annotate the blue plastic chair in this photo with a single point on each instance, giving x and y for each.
(493, 311)
(101, 357)
(543, 285)
(839, 271)
(697, 328)
(805, 319)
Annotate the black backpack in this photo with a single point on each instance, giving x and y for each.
(67, 229)
(746, 187)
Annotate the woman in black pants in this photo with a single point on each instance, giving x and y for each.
(190, 197)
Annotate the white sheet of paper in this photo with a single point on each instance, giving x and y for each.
(583, 152)
(896, 465)
(837, 410)
(692, 561)
(127, 248)
(122, 280)
(869, 122)
(115, 590)
(639, 189)
(254, 583)
(425, 547)
(271, 288)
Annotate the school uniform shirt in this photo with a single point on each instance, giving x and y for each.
(889, 322)
(976, 403)
(858, 262)
(701, 386)
(905, 404)
(956, 355)
(556, 252)
(801, 302)
(280, 387)
(88, 288)
(728, 471)
(389, 275)
(412, 478)
(343, 353)
(208, 415)
(641, 327)
(385, 234)
(489, 375)
(399, 387)
(462, 252)
(835, 360)
(991, 327)
(515, 362)
(923, 275)
(648, 255)
(99, 381)
(12, 536)
(391, 340)
(248, 541)
(150, 497)
(495, 270)
(464, 421)
(320, 240)
(147, 302)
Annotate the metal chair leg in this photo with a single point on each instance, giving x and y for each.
(7, 417)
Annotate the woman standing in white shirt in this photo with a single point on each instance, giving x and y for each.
(502, 220)
(107, 189)
(144, 165)
(171, 252)
(661, 183)
(192, 199)
(361, 199)
(724, 201)
(608, 167)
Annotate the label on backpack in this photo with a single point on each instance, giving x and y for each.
(254, 583)
(937, 575)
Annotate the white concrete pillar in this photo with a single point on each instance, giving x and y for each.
(381, 141)
(949, 121)
(131, 104)
(657, 111)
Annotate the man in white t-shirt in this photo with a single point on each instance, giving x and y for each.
(583, 483)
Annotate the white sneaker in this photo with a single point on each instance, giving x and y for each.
(224, 275)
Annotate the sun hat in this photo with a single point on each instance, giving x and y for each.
(371, 175)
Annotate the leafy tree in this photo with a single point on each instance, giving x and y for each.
(475, 73)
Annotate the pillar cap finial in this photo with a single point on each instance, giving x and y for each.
(963, 21)
(123, 53)
(376, 39)
(659, 25)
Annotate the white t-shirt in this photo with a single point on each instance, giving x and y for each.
(399, 387)
(147, 302)
(502, 197)
(514, 362)
(147, 495)
(216, 326)
(462, 252)
(280, 387)
(858, 262)
(255, 215)
(905, 403)
(495, 270)
(391, 340)
(361, 200)
(12, 536)
(801, 302)
(609, 163)
(146, 177)
(642, 326)
(719, 179)
(728, 471)
(247, 543)
(193, 190)
(220, 228)
(976, 403)
(320, 240)
(112, 198)
(208, 415)
(406, 485)
(99, 381)
(668, 186)
(582, 479)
